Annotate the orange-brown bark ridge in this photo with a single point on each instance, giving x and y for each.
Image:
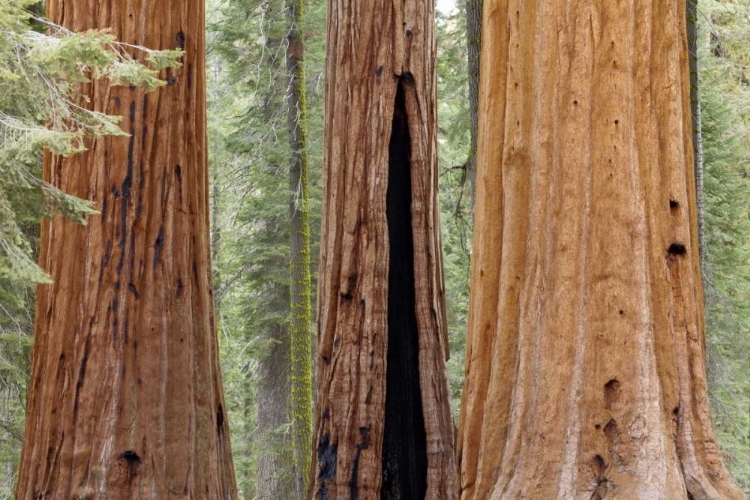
(585, 361)
(125, 399)
(383, 427)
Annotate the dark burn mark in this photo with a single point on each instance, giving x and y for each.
(407, 78)
(126, 185)
(599, 465)
(163, 195)
(189, 75)
(117, 102)
(379, 70)
(677, 248)
(404, 456)
(180, 37)
(220, 419)
(130, 456)
(158, 244)
(133, 290)
(171, 80)
(363, 444)
(326, 464)
(132, 460)
(178, 176)
(408, 33)
(81, 377)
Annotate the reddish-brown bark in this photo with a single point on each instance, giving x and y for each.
(585, 361)
(383, 426)
(125, 399)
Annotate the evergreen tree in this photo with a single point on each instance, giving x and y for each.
(254, 155)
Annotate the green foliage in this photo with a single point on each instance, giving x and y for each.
(455, 189)
(725, 94)
(250, 158)
(41, 108)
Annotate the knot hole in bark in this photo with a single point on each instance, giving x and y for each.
(611, 393)
(132, 462)
(677, 248)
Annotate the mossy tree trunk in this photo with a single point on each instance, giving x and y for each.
(585, 360)
(125, 398)
(300, 285)
(383, 427)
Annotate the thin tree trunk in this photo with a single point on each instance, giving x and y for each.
(383, 427)
(300, 286)
(585, 360)
(473, 46)
(216, 238)
(695, 113)
(274, 474)
(125, 398)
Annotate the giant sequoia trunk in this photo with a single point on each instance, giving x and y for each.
(585, 362)
(125, 398)
(383, 427)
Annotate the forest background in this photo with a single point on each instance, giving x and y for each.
(250, 215)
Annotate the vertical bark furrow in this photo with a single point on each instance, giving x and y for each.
(404, 447)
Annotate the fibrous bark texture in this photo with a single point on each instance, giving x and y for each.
(383, 427)
(300, 285)
(125, 399)
(585, 361)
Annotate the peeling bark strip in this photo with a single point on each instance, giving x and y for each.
(125, 399)
(585, 359)
(383, 427)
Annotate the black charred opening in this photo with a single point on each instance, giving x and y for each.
(677, 249)
(404, 439)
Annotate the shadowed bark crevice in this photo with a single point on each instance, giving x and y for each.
(404, 440)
